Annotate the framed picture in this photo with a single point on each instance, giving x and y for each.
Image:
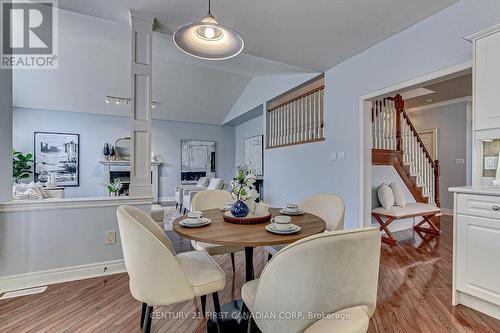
(197, 159)
(59, 154)
(254, 154)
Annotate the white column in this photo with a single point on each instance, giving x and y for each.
(5, 135)
(140, 157)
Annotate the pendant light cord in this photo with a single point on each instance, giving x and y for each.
(209, 7)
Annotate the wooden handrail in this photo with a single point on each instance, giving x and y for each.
(310, 92)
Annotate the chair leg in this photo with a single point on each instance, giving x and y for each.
(147, 319)
(184, 211)
(218, 312)
(232, 262)
(269, 256)
(203, 300)
(176, 205)
(143, 313)
(180, 209)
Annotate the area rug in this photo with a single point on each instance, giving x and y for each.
(171, 213)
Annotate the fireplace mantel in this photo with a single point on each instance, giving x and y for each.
(123, 163)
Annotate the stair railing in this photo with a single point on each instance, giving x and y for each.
(393, 130)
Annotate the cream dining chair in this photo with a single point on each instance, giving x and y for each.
(213, 199)
(214, 184)
(329, 207)
(333, 273)
(159, 276)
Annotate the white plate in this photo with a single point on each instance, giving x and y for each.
(293, 229)
(204, 221)
(284, 211)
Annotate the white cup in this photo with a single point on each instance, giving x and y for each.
(281, 222)
(194, 215)
(292, 207)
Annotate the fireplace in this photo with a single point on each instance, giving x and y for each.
(124, 177)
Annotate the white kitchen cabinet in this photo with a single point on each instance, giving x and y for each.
(486, 77)
(476, 249)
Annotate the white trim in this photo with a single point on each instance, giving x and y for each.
(435, 140)
(69, 203)
(482, 33)
(468, 144)
(167, 200)
(140, 15)
(364, 149)
(441, 104)
(59, 275)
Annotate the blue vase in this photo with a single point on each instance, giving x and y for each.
(240, 209)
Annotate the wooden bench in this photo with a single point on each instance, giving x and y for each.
(386, 216)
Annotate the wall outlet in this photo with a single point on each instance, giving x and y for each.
(110, 237)
(333, 156)
(459, 161)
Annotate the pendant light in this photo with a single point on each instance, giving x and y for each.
(208, 39)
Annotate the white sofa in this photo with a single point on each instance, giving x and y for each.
(214, 184)
(179, 190)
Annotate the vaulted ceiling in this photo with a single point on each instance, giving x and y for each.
(283, 37)
(312, 34)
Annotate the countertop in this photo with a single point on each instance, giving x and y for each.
(485, 190)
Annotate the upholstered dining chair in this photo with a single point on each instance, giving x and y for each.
(179, 190)
(214, 184)
(159, 276)
(333, 273)
(329, 207)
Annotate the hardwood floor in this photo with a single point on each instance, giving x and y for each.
(414, 295)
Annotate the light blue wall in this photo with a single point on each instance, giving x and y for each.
(244, 131)
(431, 45)
(95, 129)
(5, 134)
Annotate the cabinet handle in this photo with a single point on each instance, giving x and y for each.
(495, 207)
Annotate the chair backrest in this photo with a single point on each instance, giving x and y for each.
(156, 278)
(215, 184)
(329, 207)
(203, 182)
(324, 273)
(210, 199)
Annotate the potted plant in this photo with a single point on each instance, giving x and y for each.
(21, 165)
(114, 187)
(243, 191)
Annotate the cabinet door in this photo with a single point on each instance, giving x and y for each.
(478, 257)
(487, 82)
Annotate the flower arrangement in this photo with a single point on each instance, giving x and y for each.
(242, 185)
(242, 190)
(114, 187)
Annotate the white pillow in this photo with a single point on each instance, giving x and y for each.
(385, 196)
(399, 195)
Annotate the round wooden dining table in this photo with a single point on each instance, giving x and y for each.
(248, 236)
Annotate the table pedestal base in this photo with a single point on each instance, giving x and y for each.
(232, 319)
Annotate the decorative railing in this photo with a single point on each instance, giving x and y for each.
(298, 120)
(393, 130)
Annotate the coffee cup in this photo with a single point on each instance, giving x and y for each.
(194, 215)
(292, 207)
(281, 222)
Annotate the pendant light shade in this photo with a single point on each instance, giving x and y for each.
(208, 39)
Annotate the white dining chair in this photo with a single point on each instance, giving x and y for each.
(213, 199)
(179, 190)
(214, 184)
(332, 276)
(159, 276)
(329, 207)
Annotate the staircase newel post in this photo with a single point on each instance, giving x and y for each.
(399, 108)
(436, 183)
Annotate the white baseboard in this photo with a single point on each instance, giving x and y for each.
(168, 201)
(59, 275)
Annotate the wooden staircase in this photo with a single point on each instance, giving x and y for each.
(397, 143)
